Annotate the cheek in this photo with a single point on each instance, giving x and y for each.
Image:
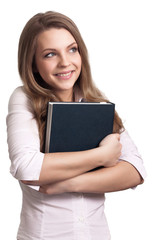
(44, 68)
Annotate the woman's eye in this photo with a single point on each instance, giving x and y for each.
(49, 55)
(73, 50)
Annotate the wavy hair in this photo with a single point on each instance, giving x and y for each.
(36, 89)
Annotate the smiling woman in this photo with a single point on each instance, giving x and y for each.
(62, 198)
(58, 61)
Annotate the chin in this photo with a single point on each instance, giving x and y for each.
(65, 86)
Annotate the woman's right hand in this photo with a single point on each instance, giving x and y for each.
(111, 148)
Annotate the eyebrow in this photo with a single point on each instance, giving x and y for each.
(53, 49)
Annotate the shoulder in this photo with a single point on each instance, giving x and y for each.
(20, 98)
(17, 95)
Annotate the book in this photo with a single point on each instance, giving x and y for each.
(77, 126)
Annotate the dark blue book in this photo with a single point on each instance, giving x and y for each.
(77, 126)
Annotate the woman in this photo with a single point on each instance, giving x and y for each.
(62, 199)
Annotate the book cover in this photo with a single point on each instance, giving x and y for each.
(77, 126)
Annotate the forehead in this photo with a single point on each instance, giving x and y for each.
(55, 38)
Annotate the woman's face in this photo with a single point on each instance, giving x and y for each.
(58, 61)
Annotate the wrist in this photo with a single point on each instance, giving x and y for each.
(101, 159)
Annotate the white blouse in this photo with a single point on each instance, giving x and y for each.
(67, 216)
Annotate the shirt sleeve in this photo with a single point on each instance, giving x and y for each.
(23, 138)
(130, 153)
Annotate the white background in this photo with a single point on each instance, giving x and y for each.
(126, 40)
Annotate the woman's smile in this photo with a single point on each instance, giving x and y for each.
(64, 75)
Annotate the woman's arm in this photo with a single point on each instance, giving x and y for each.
(127, 173)
(119, 177)
(61, 166)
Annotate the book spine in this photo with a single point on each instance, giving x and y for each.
(48, 127)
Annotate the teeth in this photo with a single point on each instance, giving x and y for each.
(64, 74)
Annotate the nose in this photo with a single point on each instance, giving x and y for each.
(64, 60)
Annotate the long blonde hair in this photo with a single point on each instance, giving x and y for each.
(36, 89)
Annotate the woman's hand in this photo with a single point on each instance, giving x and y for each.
(111, 147)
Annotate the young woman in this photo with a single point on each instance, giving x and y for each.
(62, 199)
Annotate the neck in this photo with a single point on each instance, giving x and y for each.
(65, 96)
